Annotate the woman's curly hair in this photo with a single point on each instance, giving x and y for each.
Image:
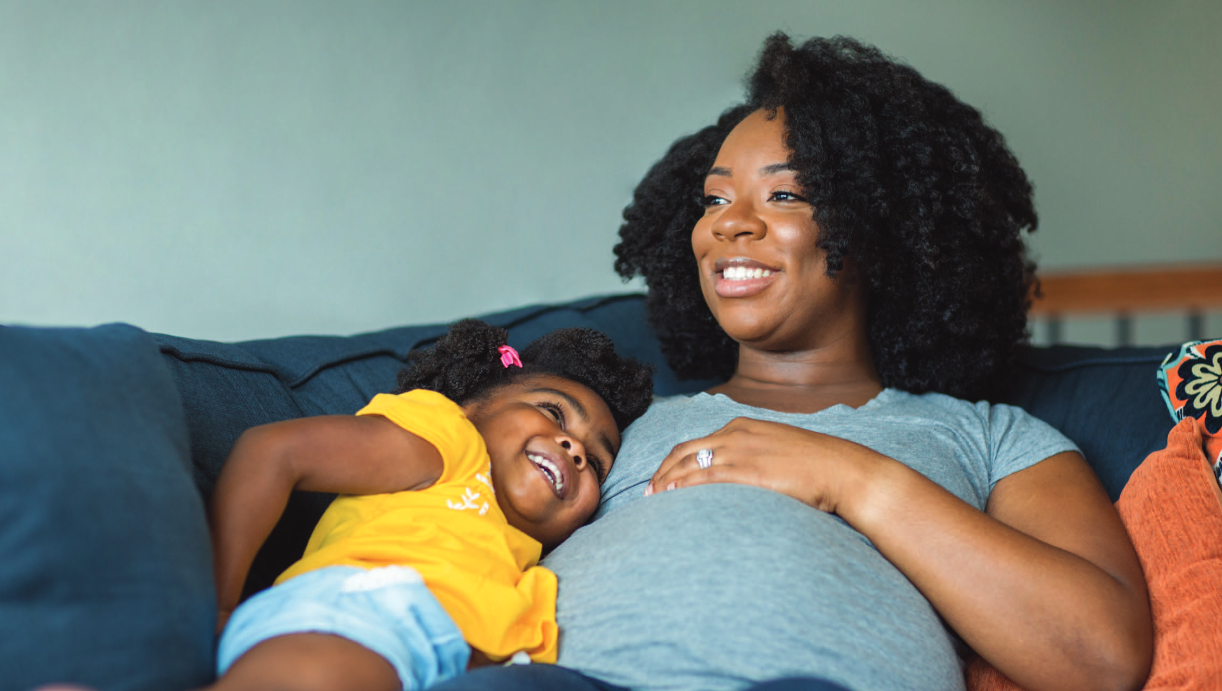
(465, 365)
(906, 181)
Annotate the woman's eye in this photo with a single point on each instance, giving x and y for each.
(711, 200)
(783, 196)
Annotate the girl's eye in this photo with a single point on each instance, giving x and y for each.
(711, 200)
(600, 470)
(556, 411)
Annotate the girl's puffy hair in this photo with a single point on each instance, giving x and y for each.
(465, 365)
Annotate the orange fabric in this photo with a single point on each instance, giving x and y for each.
(1172, 508)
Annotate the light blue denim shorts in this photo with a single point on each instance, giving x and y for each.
(388, 610)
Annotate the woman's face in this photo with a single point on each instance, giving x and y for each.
(761, 272)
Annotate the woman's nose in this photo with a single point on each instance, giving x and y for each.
(738, 220)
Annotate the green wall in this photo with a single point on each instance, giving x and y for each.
(254, 168)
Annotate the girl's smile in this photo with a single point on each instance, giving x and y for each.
(554, 468)
(552, 442)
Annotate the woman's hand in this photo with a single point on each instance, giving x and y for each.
(820, 470)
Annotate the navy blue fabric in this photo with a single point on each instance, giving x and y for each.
(105, 565)
(229, 387)
(555, 678)
(105, 571)
(1105, 399)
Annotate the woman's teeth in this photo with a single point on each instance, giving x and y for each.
(742, 273)
(549, 469)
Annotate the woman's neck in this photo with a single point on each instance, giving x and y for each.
(803, 382)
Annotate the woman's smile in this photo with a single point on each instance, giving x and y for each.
(740, 277)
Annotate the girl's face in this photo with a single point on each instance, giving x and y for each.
(761, 271)
(552, 442)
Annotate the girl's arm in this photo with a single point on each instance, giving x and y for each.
(346, 454)
(1044, 584)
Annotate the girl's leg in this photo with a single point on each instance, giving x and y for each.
(309, 662)
(525, 678)
(798, 684)
(556, 678)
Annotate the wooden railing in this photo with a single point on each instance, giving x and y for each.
(1188, 289)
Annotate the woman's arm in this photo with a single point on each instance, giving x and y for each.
(1045, 584)
(347, 454)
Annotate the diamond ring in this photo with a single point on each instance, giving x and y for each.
(704, 458)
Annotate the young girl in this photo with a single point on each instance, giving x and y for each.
(450, 489)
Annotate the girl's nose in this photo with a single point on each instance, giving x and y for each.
(575, 450)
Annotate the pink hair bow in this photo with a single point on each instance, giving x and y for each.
(509, 356)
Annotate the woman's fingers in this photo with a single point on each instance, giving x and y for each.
(682, 467)
(811, 467)
(690, 463)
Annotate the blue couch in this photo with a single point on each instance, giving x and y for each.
(111, 437)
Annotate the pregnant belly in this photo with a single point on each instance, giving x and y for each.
(718, 586)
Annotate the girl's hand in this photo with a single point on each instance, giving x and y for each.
(820, 470)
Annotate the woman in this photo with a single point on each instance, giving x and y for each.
(844, 254)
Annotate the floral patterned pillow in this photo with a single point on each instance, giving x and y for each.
(1190, 381)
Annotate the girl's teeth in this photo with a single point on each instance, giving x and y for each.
(552, 472)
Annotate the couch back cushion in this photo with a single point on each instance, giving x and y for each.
(1105, 400)
(107, 570)
(229, 387)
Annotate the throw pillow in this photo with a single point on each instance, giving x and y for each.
(1190, 381)
(106, 573)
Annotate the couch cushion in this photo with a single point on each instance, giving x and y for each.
(229, 387)
(1105, 399)
(106, 575)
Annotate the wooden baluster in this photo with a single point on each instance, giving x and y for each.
(1054, 329)
(1124, 329)
(1196, 325)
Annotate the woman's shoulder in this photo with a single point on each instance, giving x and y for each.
(998, 422)
(668, 406)
(939, 404)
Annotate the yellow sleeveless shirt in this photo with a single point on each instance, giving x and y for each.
(481, 569)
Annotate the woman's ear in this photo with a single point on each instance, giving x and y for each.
(849, 276)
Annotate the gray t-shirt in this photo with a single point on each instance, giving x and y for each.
(719, 586)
